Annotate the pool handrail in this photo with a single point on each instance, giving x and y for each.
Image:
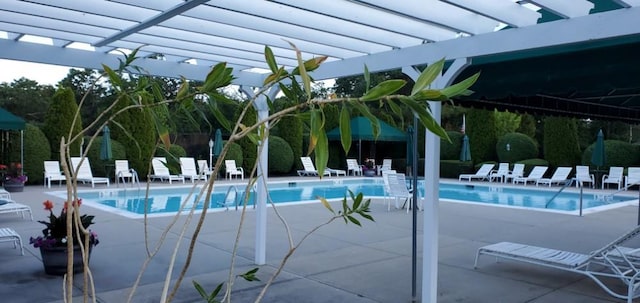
(567, 183)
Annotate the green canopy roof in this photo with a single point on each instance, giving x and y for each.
(361, 130)
(9, 121)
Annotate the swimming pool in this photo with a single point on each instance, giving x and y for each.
(130, 201)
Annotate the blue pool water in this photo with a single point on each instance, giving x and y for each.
(161, 201)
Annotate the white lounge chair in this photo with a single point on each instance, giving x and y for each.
(481, 174)
(10, 235)
(161, 171)
(604, 266)
(232, 170)
(387, 183)
(309, 168)
(583, 176)
(614, 177)
(517, 172)
(353, 168)
(501, 173)
(536, 174)
(632, 178)
(559, 176)
(9, 206)
(203, 169)
(52, 172)
(386, 165)
(84, 173)
(123, 172)
(188, 169)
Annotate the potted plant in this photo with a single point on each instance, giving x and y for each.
(13, 180)
(53, 242)
(369, 167)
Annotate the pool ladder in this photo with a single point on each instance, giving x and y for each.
(236, 201)
(134, 179)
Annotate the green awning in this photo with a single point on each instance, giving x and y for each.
(361, 130)
(9, 121)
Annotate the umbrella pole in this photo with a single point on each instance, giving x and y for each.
(360, 151)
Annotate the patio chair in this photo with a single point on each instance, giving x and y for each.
(84, 173)
(203, 169)
(353, 168)
(517, 172)
(188, 169)
(481, 174)
(10, 235)
(613, 177)
(161, 171)
(403, 191)
(500, 174)
(232, 170)
(386, 165)
(583, 176)
(387, 183)
(600, 265)
(536, 174)
(123, 172)
(309, 168)
(9, 206)
(52, 172)
(632, 178)
(559, 176)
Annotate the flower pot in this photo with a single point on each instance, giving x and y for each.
(13, 187)
(54, 260)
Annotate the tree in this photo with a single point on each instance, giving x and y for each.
(506, 122)
(26, 98)
(482, 135)
(561, 146)
(94, 94)
(59, 120)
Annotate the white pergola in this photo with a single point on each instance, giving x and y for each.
(185, 38)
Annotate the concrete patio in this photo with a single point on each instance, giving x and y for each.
(337, 263)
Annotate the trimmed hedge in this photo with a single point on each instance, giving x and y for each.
(36, 151)
(521, 147)
(58, 121)
(453, 168)
(561, 147)
(530, 163)
(617, 153)
(451, 151)
(280, 156)
(482, 135)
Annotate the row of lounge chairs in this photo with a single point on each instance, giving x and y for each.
(9, 206)
(123, 173)
(560, 176)
(353, 168)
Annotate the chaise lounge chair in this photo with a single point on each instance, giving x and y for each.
(559, 176)
(123, 172)
(601, 265)
(10, 235)
(233, 170)
(614, 177)
(7, 205)
(353, 168)
(84, 173)
(583, 176)
(500, 174)
(481, 174)
(161, 171)
(632, 178)
(52, 172)
(188, 169)
(517, 172)
(309, 168)
(536, 174)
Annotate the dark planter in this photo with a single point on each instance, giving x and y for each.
(13, 187)
(54, 260)
(369, 173)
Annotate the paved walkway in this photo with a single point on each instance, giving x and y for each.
(337, 263)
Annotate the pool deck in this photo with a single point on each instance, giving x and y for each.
(337, 263)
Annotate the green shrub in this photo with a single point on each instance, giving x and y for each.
(280, 156)
(521, 147)
(482, 135)
(58, 120)
(451, 151)
(173, 157)
(453, 168)
(617, 153)
(249, 149)
(104, 168)
(36, 151)
(561, 147)
(137, 135)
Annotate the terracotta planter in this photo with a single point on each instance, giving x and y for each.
(54, 260)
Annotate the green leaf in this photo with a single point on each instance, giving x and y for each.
(430, 95)
(356, 202)
(354, 220)
(287, 92)
(383, 89)
(367, 78)
(322, 152)
(113, 77)
(345, 129)
(184, 88)
(326, 204)
(250, 275)
(366, 216)
(425, 117)
(395, 108)
(460, 87)
(306, 81)
(200, 290)
(271, 59)
(276, 76)
(214, 294)
(428, 75)
(314, 127)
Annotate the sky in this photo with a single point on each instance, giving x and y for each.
(42, 73)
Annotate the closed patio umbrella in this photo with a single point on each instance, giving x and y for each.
(465, 152)
(105, 147)
(217, 146)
